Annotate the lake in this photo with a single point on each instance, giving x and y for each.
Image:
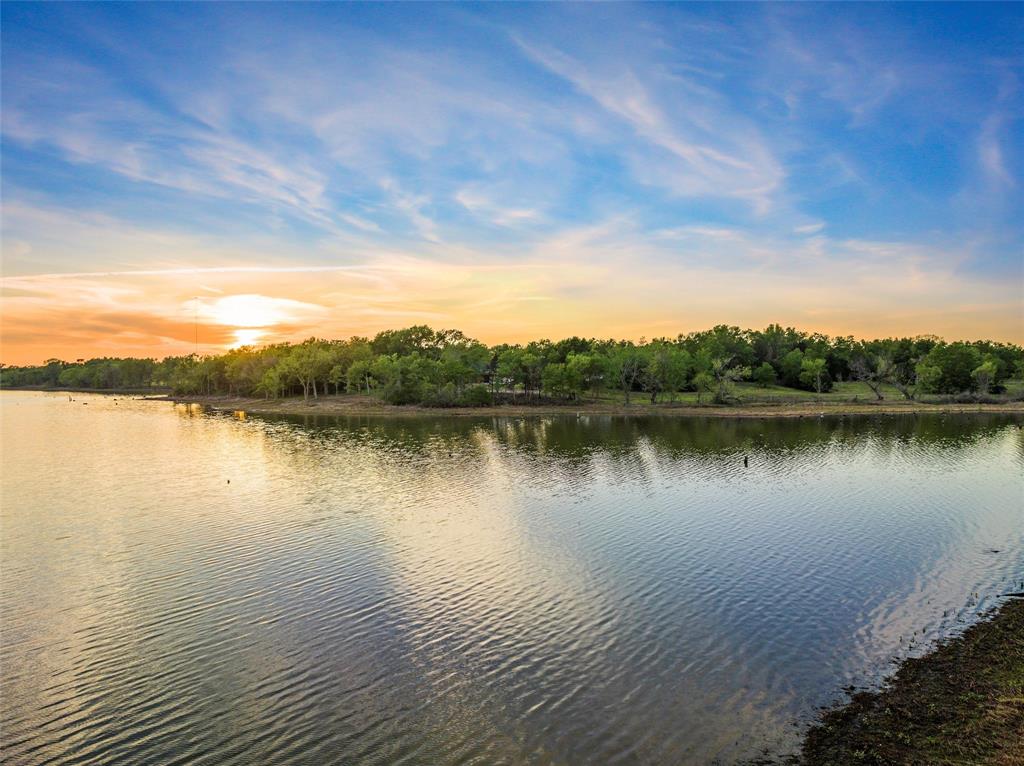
(182, 586)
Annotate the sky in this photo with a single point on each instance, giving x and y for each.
(195, 176)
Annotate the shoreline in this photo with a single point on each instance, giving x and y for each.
(961, 703)
(359, 405)
(125, 391)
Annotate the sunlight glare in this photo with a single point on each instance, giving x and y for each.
(248, 311)
(247, 336)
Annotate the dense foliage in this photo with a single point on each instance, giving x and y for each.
(446, 368)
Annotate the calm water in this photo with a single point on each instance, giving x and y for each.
(434, 591)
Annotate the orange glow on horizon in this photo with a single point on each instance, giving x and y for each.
(156, 314)
(70, 319)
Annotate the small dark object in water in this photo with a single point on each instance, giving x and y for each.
(745, 463)
(992, 550)
(229, 481)
(1014, 594)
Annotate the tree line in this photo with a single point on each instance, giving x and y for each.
(419, 365)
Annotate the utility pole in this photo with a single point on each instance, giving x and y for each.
(197, 326)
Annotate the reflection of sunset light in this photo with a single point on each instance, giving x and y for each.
(247, 336)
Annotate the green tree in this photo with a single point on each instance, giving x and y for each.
(873, 367)
(306, 364)
(409, 379)
(984, 375)
(270, 383)
(521, 367)
(725, 373)
(589, 369)
(560, 379)
(791, 367)
(666, 369)
(625, 366)
(418, 339)
(773, 342)
(764, 375)
(955, 363)
(359, 376)
(704, 383)
(343, 355)
(464, 363)
(812, 373)
(928, 376)
(52, 371)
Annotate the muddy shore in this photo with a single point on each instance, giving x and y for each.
(962, 703)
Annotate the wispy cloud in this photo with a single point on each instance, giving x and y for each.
(480, 204)
(809, 228)
(712, 150)
(606, 166)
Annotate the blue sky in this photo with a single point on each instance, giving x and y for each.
(516, 170)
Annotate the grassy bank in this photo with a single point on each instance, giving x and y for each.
(356, 404)
(961, 704)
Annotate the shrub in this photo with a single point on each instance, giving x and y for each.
(969, 397)
(444, 396)
(403, 393)
(477, 396)
(764, 375)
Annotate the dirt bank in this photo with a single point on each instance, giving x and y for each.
(353, 404)
(962, 703)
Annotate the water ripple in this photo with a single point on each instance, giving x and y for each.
(190, 588)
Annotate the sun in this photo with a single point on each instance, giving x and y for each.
(247, 336)
(253, 318)
(248, 311)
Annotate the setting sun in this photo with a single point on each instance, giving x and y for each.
(252, 310)
(247, 336)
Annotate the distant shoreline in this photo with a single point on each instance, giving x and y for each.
(358, 405)
(153, 391)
